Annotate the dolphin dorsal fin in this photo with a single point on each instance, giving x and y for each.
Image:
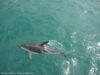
(44, 43)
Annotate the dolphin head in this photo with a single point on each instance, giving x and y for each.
(27, 47)
(31, 47)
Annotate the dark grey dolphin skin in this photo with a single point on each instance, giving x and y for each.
(39, 49)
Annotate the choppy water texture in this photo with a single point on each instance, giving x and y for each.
(71, 26)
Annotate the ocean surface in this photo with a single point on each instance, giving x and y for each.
(71, 26)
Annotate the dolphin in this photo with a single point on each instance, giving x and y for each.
(34, 48)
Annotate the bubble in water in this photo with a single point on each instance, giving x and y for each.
(84, 12)
(98, 44)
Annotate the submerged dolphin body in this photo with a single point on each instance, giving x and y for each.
(39, 49)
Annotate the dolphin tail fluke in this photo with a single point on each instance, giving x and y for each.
(62, 53)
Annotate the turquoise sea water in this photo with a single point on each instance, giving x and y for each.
(71, 26)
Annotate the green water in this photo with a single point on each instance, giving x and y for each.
(71, 26)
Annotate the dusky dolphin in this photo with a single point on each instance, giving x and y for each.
(39, 49)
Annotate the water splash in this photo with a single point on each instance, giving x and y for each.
(66, 70)
(94, 69)
(56, 45)
(70, 66)
(93, 48)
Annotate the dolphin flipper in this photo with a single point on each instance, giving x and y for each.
(30, 55)
(44, 43)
